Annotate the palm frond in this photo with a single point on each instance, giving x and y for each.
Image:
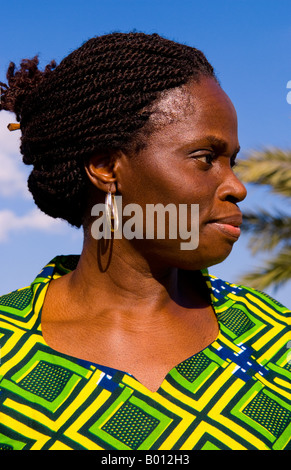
(270, 167)
(275, 272)
(268, 230)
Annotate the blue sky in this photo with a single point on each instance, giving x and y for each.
(248, 43)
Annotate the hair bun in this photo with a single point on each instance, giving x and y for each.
(20, 82)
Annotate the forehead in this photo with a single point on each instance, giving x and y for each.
(171, 106)
(194, 111)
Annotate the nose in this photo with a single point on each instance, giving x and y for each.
(232, 189)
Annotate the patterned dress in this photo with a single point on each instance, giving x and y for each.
(235, 394)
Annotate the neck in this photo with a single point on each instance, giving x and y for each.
(121, 277)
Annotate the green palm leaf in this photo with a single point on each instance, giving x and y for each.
(270, 167)
(269, 232)
(275, 272)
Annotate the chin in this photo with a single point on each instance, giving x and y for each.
(189, 260)
(194, 261)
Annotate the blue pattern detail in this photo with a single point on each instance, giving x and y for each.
(247, 367)
(107, 381)
(221, 289)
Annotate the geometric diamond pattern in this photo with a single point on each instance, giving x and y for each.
(235, 394)
(46, 380)
(130, 425)
(194, 366)
(17, 299)
(236, 321)
(268, 413)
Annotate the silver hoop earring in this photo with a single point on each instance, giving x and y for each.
(111, 212)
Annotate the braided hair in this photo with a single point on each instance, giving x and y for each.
(96, 99)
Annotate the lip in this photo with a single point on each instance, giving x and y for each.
(229, 225)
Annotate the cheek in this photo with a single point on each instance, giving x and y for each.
(198, 191)
(151, 180)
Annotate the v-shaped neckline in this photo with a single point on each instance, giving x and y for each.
(217, 290)
(127, 377)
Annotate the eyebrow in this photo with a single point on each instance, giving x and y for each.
(220, 144)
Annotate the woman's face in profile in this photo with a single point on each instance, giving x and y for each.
(189, 159)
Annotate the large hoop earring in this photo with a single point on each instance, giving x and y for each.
(111, 212)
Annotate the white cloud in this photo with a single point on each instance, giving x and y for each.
(32, 220)
(13, 184)
(13, 172)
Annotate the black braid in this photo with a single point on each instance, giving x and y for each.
(91, 101)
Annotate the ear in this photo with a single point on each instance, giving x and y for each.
(100, 170)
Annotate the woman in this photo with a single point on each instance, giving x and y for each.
(133, 345)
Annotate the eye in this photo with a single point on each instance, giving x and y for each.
(204, 157)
